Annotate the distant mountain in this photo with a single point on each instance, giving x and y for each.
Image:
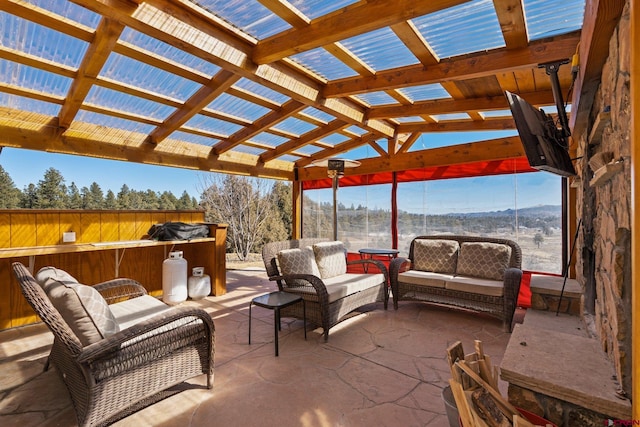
(540, 211)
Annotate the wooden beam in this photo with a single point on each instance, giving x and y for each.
(459, 125)
(494, 149)
(287, 12)
(600, 20)
(263, 123)
(203, 97)
(512, 23)
(409, 142)
(343, 147)
(447, 106)
(465, 67)
(37, 62)
(634, 91)
(353, 20)
(32, 131)
(412, 38)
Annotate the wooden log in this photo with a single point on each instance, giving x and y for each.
(464, 409)
(507, 408)
(486, 407)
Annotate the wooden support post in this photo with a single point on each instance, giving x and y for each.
(219, 276)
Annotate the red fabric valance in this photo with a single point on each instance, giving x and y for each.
(493, 167)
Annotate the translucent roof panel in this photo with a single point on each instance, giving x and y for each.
(334, 139)
(139, 74)
(174, 54)
(453, 116)
(295, 126)
(248, 15)
(31, 105)
(317, 114)
(425, 92)
(413, 119)
(380, 49)
(196, 139)
(308, 149)
(496, 113)
(356, 129)
(113, 122)
(376, 98)
(469, 27)
(70, 11)
(25, 36)
(247, 149)
(261, 91)
(123, 102)
(323, 64)
(316, 8)
(32, 78)
(289, 158)
(219, 127)
(268, 139)
(546, 19)
(238, 107)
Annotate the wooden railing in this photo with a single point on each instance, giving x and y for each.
(107, 244)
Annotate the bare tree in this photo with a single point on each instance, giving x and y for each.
(241, 202)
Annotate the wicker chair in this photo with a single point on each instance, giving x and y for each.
(131, 369)
(318, 309)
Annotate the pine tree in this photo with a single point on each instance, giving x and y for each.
(124, 197)
(51, 191)
(9, 193)
(74, 198)
(110, 201)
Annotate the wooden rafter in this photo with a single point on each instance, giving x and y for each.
(458, 125)
(512, 23)
(343, 147)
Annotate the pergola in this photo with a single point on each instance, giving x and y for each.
(265, 88)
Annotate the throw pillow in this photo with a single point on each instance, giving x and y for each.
(48, 274)
(439, 256)
(297, 261)
(484, 260)
(331, 259)
(84, 309)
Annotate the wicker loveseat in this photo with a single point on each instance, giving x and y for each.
(316, 269)
(471, 272)
(116, 359)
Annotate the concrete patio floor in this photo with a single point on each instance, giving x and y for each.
(379, 368)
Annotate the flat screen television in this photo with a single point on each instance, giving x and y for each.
(544, 143)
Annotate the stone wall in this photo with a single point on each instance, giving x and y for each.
(603, 261)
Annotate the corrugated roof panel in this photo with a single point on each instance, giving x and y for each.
(295, 126)
(262, 91)
(196, 139)
(318, 114)
(139, 74)
(123, 102)
(247, 149)
(316, 8)
(425, 92)
(323, 64)
(172, 53)
(411, 119)
(356, 129)
(27, 104)
(33, 39)
(213, 125)
(334, 138)
(380, 49)
(113, 122)
(496, 113)
(33, 78)
(546, 18)
(70, 11)
(269, 139)
(238, 107)
(309, 149)
(376, 98)
(469, 27)
(453, 116)
(289, 158)
(248, 15)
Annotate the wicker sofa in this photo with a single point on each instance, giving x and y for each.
(316, 270)
(116, 348)
(471, 272)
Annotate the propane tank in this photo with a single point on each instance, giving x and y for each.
(199, 283)
(174, 278)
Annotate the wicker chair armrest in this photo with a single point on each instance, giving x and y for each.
(315, 281)
(512, 279)
(116, 290)
(109, 346)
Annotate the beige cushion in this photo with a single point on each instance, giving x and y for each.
(47, 275)
(331, 259)
(494, 288)
(424, 278)
(298, 261)
(350, 283)
(440, 256)
(484, 260)
(129, 312)
(83, 309)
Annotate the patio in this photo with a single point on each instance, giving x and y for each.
(378, 368)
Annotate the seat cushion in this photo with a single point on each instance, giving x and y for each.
(424, 278)
(298, 261)
(493, 288)
(83, 309)
(331, 259)
(440, 256)
(483, 259)
(350, 283)
(128, 313)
